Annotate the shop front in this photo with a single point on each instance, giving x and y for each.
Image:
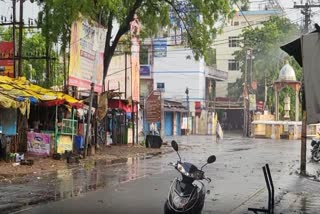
(120, 121)
(29, 118)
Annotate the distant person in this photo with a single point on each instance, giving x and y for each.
(219, 133)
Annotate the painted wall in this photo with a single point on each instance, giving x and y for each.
(179, 70)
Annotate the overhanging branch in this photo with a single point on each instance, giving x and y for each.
(184, 24)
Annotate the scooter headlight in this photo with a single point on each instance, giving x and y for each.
(182, 170)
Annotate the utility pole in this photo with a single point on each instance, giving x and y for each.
(14, 37)
(187, 93)
(245, 91)
(20, 39)
(306, 11)
(17, 49)
(47, 44)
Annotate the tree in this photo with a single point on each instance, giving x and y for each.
(55, 19)
(34, 45)
(265, 42)
(199, 19)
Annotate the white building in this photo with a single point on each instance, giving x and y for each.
(175, 69)
(229, 41)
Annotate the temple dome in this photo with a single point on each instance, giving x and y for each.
(287, 73)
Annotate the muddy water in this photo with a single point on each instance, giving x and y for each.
(77, 181)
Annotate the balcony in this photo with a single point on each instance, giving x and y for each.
(212, 72)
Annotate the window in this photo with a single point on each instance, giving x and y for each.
(234, 41)
(233, 65)
(236, 23)
(144, 55)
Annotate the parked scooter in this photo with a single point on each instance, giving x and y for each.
(187, 195)
(315, 151)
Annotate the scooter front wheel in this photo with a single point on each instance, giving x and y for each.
(166, 209)
(316, 156)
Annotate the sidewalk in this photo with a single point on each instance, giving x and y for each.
(293, 193)
(9, 171)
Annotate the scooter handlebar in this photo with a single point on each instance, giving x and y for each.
(172, 164)
(207, 179)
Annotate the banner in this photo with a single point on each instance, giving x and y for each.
(86, 55)
(6, 66)
(252, 102)
(38, 143)
(64, 143)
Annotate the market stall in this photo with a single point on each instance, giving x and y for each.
(46, 121)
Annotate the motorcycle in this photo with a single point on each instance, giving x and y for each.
(187, 195)
(315, 151)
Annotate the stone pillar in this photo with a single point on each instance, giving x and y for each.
(277, 105)
(273, 132)
(297, 106)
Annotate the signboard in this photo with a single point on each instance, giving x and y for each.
(184, 123)
(64, 143)
(153, 107)
(145, 71)
(8, 121)
(38, 143)
(160, 86)
(252, 102)
(86, 55)
(6, 66)
(117, 75)
(260, 106)
(160, 48)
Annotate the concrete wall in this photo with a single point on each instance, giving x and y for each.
(179, 70)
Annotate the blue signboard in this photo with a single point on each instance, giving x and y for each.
(160, 47)
(145, 71)
(8, 121)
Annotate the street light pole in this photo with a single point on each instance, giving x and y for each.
(187, 93)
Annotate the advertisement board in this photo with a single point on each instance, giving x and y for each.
(119, 76)
(86, 54)
(153, 107)
(145, 71)
(160, 48)
(38, 143)
(6, 65)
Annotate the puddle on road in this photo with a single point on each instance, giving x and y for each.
(310, 204)
(77, 181)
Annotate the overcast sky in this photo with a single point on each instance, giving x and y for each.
(31, 10)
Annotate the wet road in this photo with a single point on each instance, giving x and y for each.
(141, 184)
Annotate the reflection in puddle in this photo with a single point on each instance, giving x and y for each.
(310, 204)
(77, 181)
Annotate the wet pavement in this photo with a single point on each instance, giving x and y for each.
(142, 184)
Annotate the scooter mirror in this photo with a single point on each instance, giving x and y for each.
(211, 159)
(174, 145)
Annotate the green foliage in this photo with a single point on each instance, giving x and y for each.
(211, 58)
(268, 57)
(199, 20)
(34, 45)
